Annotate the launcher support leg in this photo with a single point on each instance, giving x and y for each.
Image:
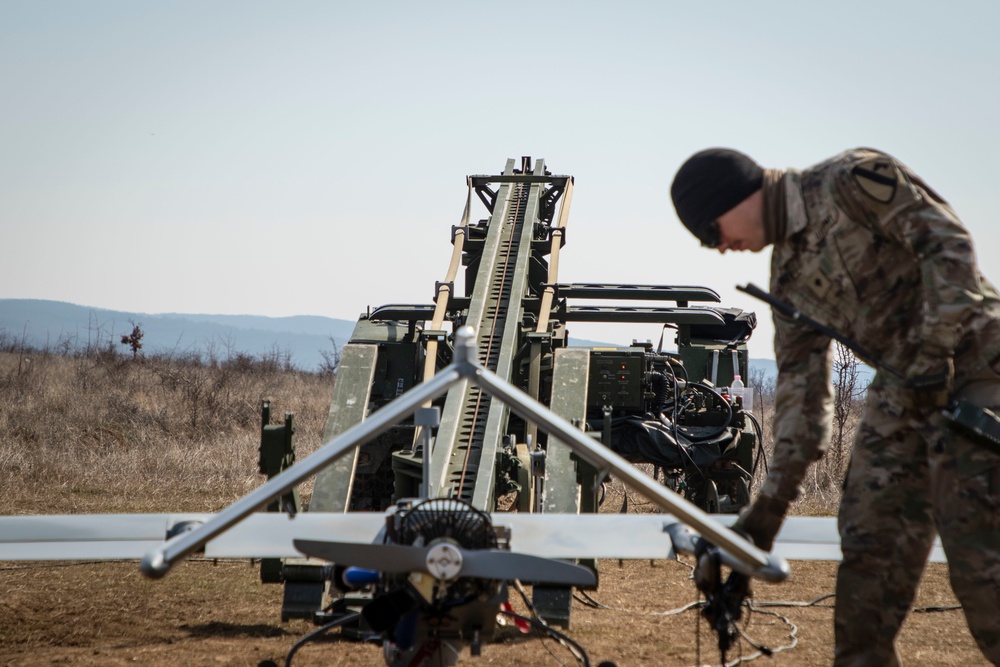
(563, 471)
(351, 393)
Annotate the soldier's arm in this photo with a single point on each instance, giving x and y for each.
(952, 288)
(801, 425)
(803, 406)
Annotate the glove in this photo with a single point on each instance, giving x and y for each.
(762, 520)
(930, 386)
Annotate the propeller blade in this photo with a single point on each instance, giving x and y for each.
(392, 558)
(505, 565)
(484, 564)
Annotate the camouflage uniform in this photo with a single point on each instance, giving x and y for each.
(870, 250)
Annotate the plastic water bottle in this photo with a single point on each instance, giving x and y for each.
(736, 389)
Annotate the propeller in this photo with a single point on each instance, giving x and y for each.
(446, 560)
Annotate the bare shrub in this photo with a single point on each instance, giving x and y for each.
(78, 427)
(331, 360)
(170, 434)
(823, 484)
(134, 339)
(763, 388)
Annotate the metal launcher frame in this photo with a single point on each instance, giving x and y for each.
(480, 451)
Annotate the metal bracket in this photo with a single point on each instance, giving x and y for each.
(561, 231)
(538, 479)
(438, 284)
(602, 475)
(426, 419)
(487, 196)
(440, 335)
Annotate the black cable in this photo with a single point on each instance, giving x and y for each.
(319, 632)
(729, 410)
(578, 651)
(661, 389)
(672, 423)
(811, 603)
(793, 633)
(588, 601)
(752, 607)
(821, 598)
(519, 587)
(680, 448)
(927, 610)
(677, 399)
(761, 454)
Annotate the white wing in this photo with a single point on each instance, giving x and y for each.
(270, 535)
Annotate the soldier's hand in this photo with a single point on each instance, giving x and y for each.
(930, 386)
(762, 520)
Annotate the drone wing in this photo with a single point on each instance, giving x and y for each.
(132, 536)
(272, 535)
(817, 538)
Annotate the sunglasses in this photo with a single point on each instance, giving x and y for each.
(711, 238)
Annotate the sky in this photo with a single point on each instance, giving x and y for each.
(309, 158)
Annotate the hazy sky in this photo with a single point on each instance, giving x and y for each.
(310, 157)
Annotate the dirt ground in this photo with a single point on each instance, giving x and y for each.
(207, 613)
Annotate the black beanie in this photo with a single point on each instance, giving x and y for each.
(710, 183)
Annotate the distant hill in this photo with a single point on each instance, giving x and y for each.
(768, 368)
(56, 324)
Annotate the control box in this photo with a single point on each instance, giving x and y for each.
(617, 379)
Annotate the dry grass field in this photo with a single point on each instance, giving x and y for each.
(104, 433)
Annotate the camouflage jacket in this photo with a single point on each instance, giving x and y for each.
(873, 252)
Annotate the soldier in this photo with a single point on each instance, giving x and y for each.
(863, 245)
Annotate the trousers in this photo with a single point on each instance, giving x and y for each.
(912, 477)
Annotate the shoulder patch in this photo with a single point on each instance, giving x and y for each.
(877, 178)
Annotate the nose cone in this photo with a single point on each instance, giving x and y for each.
(444, 561)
